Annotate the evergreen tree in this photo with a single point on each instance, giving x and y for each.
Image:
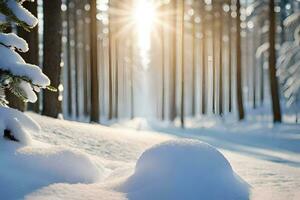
(17, 76)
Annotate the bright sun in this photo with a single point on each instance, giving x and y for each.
(144, 16)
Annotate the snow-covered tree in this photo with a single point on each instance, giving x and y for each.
(289, 70)
(16, 76)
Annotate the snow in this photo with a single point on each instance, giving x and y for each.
(28, 91)
(24, 169)
(265, 156)
(184, 169)
(15, 64)
(12, 40)
(21, 13)
(292, 19)
(2, 19)
(18, 123)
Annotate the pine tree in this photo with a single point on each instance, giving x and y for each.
(17, 76)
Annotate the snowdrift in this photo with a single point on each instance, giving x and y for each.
(18, 123)
(25, 169)
(184, 169)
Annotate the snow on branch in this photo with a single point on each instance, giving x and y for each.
(15, 12)
(12, 40)
(21, 13)
(14, 64)
(292, 19)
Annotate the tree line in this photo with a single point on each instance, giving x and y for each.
(209, 60)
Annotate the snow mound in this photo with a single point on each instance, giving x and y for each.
(184, 169)
(33, 167)
(18, 124)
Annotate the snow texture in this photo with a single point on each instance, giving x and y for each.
(21, 13)
(27, 168)
(18, 124)
(184, 169)
(2, 19)
(266, 156)
(28, 91)
(12, 40)
(292, 19)
(15, 64)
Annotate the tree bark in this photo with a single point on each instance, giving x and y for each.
(69, 64)
(204, 62)
(173, 46)
(52, 54)
(95, 104)
(182, 103)
(272, 65)
(221, 61)
(230, 62)
(76, 57)
(193, 64)
(239, 92)
(163, 48)
(110, 62)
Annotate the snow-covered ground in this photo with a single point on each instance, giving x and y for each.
(71, 160)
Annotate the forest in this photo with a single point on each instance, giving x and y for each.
(178, 59)
(150, 99)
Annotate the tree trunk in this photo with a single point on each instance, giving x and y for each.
(52, 54)
(86, 63)
(69, 64)
(110, 65)
(182, 64)
(230, 63)
(214, 57)
(239, 92)
(117, 65)
(272, 65)
(95, 105)
(173, 46)
(76, 58)
(204, 62)
(193, 64)
(162, 32)
(221, 61)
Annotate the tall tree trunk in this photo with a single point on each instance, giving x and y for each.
(117, 65)
(182, 110)
(76, 57)
(69, 64)
(163, 74)
(220, 61)
(32, 39)
(95, 104)
(110, 61)
(204, 62)
(131, 53)
(52, 54)
(173, 110)
(86, 63)
(239, 92)
(230, 62)
(193, 64)
(272, 65)
(214, 57)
